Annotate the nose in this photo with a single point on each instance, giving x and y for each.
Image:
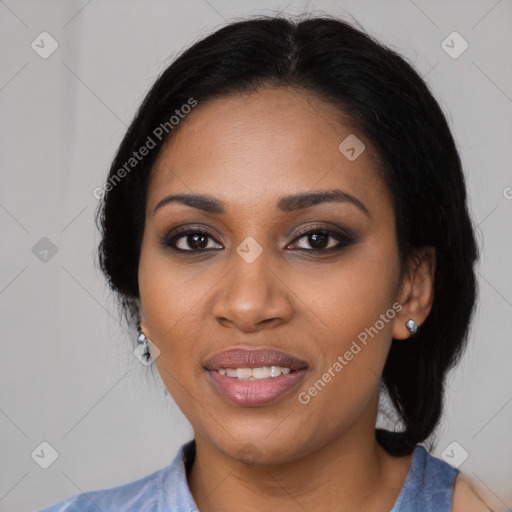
(253, 296)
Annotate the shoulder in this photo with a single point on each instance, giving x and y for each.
(141, 495)
(162, 490)
(467, 497)
(433, 484)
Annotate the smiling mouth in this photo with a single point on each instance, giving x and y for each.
(257, 377)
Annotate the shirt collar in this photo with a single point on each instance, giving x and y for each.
(176, 493)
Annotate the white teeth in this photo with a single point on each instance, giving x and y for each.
(243, 373)
(275, 371)
(262, 372)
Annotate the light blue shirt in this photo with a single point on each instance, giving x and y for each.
(428, 487)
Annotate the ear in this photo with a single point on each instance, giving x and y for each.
(416, 292)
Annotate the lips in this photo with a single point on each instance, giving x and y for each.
(243, 358)
(279, 373)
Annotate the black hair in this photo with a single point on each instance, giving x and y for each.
(387, 101)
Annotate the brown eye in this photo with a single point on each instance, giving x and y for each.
(318, 240)
(191, 241)
(323, 240)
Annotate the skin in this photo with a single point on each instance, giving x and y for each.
(248, 151)
(467, 496)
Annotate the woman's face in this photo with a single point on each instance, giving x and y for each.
(251, 280)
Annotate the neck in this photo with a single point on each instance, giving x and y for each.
(351, 472)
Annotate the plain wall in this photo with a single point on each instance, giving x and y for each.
(67, 372)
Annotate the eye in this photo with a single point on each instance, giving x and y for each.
(319, 239)
(322, 240)
(190, 240)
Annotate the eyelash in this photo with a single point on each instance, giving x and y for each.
(345, 238)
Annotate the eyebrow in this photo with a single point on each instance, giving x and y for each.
(286, 204)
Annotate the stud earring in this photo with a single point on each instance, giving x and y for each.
(411, 325)
(142, 340)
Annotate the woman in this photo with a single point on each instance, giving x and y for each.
(285, 223)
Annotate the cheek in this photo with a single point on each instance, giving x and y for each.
(349, 296)
(171, 289)
(172, 306)
(172, 309)
(351, 305)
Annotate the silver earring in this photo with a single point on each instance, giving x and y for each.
(142, 340)
(411, 325)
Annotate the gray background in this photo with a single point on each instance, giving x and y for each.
(67, 372)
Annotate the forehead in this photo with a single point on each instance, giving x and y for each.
(248, 147)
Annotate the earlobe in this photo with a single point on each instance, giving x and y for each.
(416, 293)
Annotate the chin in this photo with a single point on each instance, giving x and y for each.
(258, 448)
